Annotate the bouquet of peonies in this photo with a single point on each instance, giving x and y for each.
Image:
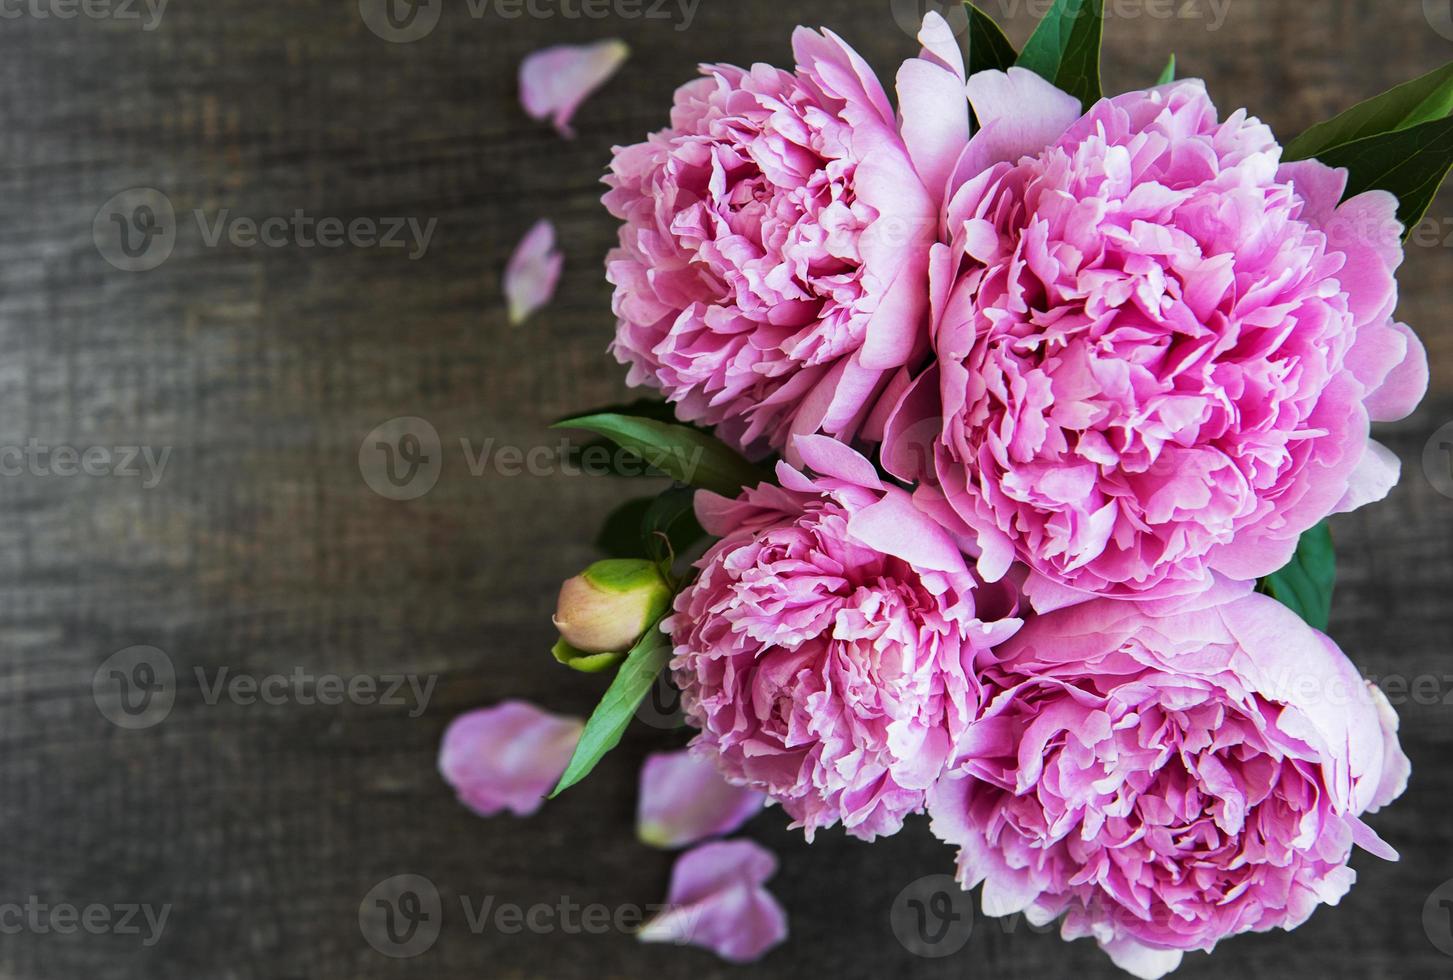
(1058, 392)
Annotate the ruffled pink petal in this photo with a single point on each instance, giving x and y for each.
(717, 902)
(507, 757)
(1405, 385)
(684, 799)
(532, 272)
(1019, 114)
(934, 107)
(555, 80)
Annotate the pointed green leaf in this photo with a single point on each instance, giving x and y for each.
(609, 720)
(586, 663)
(670, 520)
(1410, 163)
(620, 535)
(1064, 49)
(1305, 586)
(1168, 75)
(989, 48)
(687, 455)
(646, 408)
(1422, 100)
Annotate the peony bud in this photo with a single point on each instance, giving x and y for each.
(607, 607)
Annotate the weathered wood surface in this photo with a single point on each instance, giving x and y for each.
(263, 550)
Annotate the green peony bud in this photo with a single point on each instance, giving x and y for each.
(607, 607)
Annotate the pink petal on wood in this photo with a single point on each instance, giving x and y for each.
(507, 757)
(555, 80)
(532, 272)
(684, 799)
(717, 902)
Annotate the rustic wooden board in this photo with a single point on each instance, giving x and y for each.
(263, 550)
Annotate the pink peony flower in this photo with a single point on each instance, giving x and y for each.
(1159, 348)
(772, 271)
(1164, 782)
(826, 649)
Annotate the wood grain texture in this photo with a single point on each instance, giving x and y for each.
(263, 549)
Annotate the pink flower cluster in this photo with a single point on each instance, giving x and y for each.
(1119, 359)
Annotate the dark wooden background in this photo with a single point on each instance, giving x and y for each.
(264, 550)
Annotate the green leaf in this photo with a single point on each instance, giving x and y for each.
(1064, 49)
(687, 455)
(586, 663)
(609, 720)
(645, 408)
(620, 535)
(1410, 163)
(1305, 586)
(1422, 100)
(988, 45)
(1168, 75)
(669, 526)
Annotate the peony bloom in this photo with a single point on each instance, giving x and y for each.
(771, 277)
(1159, 348)
(826, 649)
(1166, 781)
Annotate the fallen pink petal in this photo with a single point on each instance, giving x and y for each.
(554, 81)
(717, 902)
(684, 799)
(532, 272)
(507, 757)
